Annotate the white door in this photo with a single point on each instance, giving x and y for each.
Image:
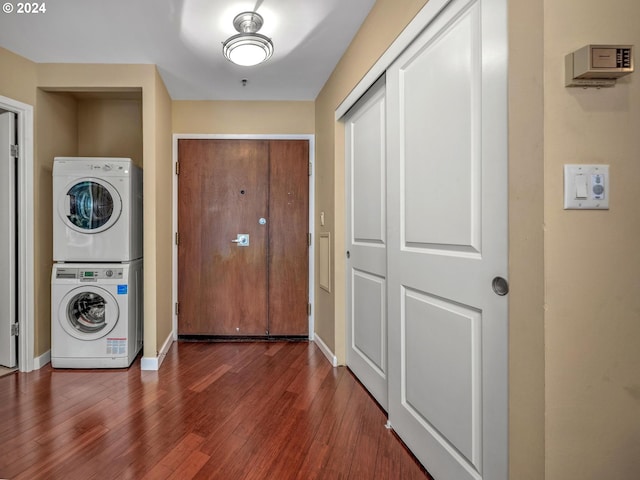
(366, 242)
(447, 242)
(7, 241)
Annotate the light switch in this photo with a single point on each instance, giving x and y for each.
(581, 186)
(586, 187)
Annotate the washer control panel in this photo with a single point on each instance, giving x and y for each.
(89, 275)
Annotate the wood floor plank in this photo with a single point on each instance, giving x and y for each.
(229, 411)
(190, 443)
(300, 452)
(210, 378)
(190, 467)
(43, 468)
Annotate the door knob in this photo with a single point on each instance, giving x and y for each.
(242, 240)
(500, 286)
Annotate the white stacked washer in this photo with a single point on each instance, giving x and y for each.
(96, 282)
(96, 310)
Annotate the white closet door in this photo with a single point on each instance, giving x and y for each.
(447, 242)
(366, 242)
(7, 241)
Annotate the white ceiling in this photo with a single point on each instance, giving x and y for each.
(184, 39)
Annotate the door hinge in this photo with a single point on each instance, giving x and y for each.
(308, 309)
(15, 329)
(177, 238)
(310, 168)
(15, 150)
(309, 239)
(177, 308)
(177, 168)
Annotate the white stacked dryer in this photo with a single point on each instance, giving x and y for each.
(97, 210)
(96, 282)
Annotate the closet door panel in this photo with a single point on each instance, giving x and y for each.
(366, 242)
(447, 241)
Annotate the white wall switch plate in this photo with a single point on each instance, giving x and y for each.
(586, 187)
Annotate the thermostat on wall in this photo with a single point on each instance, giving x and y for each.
(598, 65)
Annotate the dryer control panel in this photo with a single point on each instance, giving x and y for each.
(90, 275)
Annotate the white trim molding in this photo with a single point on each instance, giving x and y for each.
(153, 363)
(325, 350)
(25, 233)
(42, 360)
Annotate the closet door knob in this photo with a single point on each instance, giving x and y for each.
(500, 286)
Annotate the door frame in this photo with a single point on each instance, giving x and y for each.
(25, 227)
(213, 136)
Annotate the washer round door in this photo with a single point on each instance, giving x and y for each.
(90, 205)
(88, 312)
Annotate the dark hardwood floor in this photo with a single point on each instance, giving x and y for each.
(213, 411)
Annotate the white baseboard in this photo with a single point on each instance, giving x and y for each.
(149, 363)
(326, 350)
(42, 360)
(153, 363)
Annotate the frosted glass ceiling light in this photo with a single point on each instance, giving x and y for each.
(247, 47)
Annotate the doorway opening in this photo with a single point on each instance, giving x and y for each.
(24, 243)
(236, 267)
(8, 242)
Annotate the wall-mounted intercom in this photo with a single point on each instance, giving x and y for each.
(598, 65)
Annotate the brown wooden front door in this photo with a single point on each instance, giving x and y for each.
(225, 188)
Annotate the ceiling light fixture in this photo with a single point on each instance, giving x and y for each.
(247, 48)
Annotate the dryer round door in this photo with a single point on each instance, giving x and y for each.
(88, 312)
(89, 205)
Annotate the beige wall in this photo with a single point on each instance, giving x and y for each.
(526, 241)
(18, 78)
(162, 226)
(243, 117)
(155, 149)
(56, 134)
(110, 126)
(592, 260)
(383, 24)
